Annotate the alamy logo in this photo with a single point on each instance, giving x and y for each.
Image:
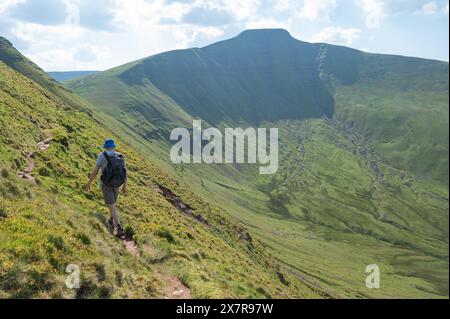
(260, 147)
(73, 280)
(373, 279)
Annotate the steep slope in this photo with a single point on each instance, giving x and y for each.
(365, 186)
(258, 76)
(49, 224)
(340, 197)
(209, 82)
(399, 103)
(13, 58)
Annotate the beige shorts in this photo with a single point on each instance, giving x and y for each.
(110, 194)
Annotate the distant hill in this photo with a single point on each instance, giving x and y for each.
(63, 76)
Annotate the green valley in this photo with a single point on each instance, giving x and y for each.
(362, 178)
(363, 174)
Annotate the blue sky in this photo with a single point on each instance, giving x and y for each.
(100, 34)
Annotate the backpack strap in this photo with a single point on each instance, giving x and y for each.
(105, 154)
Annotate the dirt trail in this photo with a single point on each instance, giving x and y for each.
(26, 173)
(45, 144)
(131, 247)
(31, 162)
(174, 289)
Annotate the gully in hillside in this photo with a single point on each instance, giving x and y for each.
(257, 147)
(114, 175)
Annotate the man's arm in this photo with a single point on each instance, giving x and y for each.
(92, 176)
(124, 186)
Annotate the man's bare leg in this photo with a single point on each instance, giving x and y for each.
(114, 215)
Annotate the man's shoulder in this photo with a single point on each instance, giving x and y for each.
(111, 154)
(101, 159)
(115, 153)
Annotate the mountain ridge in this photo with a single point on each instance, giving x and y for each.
(249, 79)
(52, 222)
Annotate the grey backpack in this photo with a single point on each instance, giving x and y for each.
(115, 173)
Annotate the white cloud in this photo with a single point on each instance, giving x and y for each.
(136, 15)
(81, 57)
(73, 12)
(52, 59)
(374, 11)
(337, 35)
(282, 5)
(185, 36)
(88, 53)
(430, 8)
(34, 33)
(267, 23)
(6, 4)
(208, 17)
(313, 9)
(243, 9)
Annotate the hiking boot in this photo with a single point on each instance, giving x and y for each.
(118, 232)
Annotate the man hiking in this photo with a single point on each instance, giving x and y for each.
(114, 174)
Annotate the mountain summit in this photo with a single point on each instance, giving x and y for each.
(267, 75)
(264, 35)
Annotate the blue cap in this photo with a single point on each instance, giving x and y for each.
(109, 143)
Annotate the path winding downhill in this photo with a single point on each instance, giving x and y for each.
(26, 173)
(31, 162)
(174, 288)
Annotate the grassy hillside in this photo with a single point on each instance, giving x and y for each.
(143, 109)
(49, 223)
(257, 76)
(367, 184)
(334, 207)
(14, 59)
(335, 195)
(401, 105)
